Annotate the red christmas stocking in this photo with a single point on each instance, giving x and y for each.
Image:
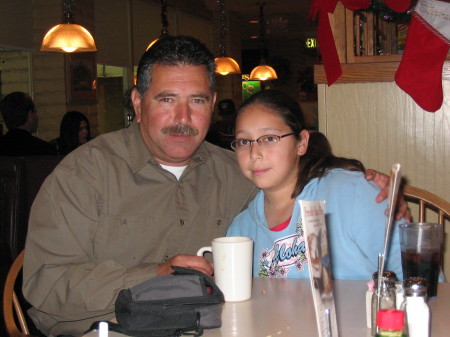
(330, 58)
(399, 6)
(427, 44)
(356, 4)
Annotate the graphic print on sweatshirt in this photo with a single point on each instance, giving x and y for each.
(287, 252)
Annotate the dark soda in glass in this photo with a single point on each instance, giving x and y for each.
(425, 264)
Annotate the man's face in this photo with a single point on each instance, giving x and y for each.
(175, 112)
(34, 121)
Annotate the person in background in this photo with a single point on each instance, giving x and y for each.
(130, 204)
(128, 105)
(21, 119)
(221, 132)
(278, 154)
(74, 131)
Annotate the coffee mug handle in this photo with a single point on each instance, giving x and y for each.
(203, 250)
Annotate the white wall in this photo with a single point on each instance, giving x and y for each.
(380, 125)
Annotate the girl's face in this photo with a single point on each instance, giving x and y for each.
(273, 167)
(83, 132)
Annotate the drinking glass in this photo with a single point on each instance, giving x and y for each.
(421, 247)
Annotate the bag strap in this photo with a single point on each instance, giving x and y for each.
(116, 327)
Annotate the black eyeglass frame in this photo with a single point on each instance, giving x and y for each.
(258, 140)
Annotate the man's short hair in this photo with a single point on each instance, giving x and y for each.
(172, 51)
(15, 108)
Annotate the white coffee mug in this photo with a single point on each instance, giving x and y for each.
(232, 258)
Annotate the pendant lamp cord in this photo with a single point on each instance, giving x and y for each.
(262, 31)
(222, 48)
(68, 11)
(164, 21)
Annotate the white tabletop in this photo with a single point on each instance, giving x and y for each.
(284, 307)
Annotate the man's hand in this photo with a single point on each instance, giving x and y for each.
(382, 181)
(187, 261)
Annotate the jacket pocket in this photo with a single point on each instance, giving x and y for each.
(125, 239)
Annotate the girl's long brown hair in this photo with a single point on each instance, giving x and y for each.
(319, 158)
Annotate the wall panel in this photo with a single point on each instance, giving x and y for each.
(380, 125)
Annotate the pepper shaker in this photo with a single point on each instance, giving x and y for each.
(387, 295)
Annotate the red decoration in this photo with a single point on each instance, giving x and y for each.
(420, 70)
(330, 57)
(356, 4)
(399, 6)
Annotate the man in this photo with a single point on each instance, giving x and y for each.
(128, 205)
(20, 116)
(117, 208)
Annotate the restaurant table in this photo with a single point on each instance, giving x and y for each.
(285, 307)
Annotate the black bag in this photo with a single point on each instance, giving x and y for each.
(184, 302)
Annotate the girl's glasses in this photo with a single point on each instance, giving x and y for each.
(264, 141)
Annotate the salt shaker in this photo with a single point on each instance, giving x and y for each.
(415, 307)
(399, 298)
(387, 295)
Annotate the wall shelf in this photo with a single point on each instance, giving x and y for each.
(360, 36)
(360, 72)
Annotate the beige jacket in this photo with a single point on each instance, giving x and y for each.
(106, 217)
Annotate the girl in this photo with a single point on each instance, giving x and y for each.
(278, 154)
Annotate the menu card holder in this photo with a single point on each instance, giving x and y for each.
(318, 253)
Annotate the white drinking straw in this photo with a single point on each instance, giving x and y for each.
(394, 184)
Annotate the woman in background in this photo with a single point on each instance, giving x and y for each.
(74, 131)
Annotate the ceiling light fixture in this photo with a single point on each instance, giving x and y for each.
(263, 72)
(164, 22)
(68, 37)
(224, 65)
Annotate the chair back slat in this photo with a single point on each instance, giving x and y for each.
(422, 211)
(441, 216)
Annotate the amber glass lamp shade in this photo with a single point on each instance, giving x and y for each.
(151, 44)
(263, 73)
(226, 65)
(68, 38)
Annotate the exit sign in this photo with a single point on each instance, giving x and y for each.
(311, 42)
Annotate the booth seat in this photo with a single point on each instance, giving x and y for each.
(20, 180)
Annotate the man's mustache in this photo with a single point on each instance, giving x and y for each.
(180, 130)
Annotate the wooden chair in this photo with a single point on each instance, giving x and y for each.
(427, 201)
(12, 310)
(426, 206)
